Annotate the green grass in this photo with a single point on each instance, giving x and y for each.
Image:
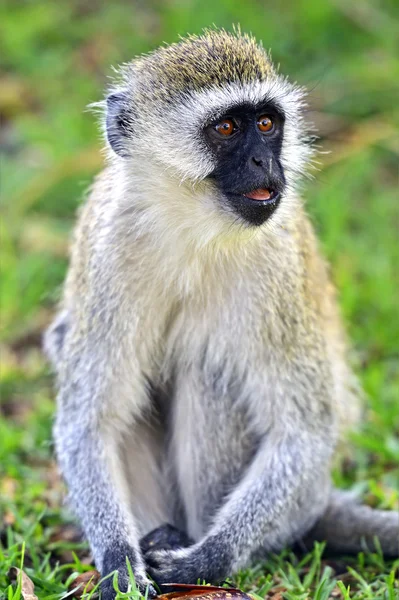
(55, 59)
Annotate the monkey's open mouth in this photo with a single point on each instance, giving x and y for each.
(262, 195)
(255, 206)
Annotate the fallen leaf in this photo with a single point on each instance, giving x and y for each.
(84, 583)
(66, 532)
(276, 593)
(204, 592)
(27, 586)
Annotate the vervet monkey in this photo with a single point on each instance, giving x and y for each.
(201, 361)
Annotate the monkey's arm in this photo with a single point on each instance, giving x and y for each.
(266, 510)
(86, 436)
(347, 526)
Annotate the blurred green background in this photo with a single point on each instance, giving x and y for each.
(55, 59)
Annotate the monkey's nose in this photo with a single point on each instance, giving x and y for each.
(257, 161)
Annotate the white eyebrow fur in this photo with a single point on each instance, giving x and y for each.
(191, 157)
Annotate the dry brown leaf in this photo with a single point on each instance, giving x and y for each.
(27, 586)
(186, 591)
(66, 532)
(276, 593)
(84, 583)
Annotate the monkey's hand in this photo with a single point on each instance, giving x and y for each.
(115, 560)
(108, 591)
(207, 560)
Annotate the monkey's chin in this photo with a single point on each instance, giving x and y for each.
(253, 210)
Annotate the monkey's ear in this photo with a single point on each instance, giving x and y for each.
(118, 122)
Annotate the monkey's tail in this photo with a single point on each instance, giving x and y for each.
(350, 527)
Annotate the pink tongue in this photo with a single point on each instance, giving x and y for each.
(259, 195)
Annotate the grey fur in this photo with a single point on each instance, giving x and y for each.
(240, 330)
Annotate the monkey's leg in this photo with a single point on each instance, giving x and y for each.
(347, 526)
(265, 509)
(89, 457)
(151, 496)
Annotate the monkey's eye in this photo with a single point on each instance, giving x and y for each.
(265, 124)
(226, 127)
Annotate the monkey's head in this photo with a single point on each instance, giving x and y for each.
(212, 111)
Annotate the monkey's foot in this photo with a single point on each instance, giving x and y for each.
(188, 565)
(171, 566)
(165, 537)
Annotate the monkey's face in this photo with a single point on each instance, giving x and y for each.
(246, 143)
(231, 153)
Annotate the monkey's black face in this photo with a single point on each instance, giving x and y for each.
(247, 142)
